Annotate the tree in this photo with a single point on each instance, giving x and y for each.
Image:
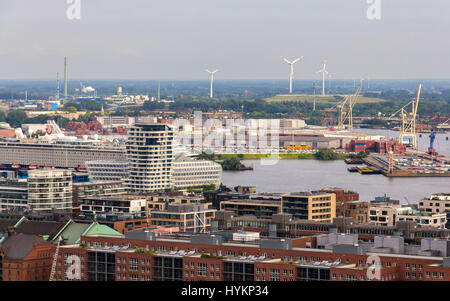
(232, 163)
(326, 154)
(15, 118)
(72, 109)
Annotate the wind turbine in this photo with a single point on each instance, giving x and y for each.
(212, 79)
(323, 71)
(291, 74)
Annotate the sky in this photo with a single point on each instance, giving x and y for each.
(244, 39)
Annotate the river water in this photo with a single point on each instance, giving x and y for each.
(299, 175)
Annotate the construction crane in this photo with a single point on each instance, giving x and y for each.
(346, 110)
(55, 259)
(408, 129)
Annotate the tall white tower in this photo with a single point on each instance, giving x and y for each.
(212, 79)
(291, 74)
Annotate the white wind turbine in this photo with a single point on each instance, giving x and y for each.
(291, 74)
(212, 79)
(323, 71)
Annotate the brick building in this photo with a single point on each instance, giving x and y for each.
(146, 257)
(25, 257)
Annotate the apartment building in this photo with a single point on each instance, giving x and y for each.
(188, 217)
(390, 215)
(150, 157)
(50, 189)
(310, 205)
(114, 204)
(258, 208)
(95, 188)
(13, 195)
(359, 211)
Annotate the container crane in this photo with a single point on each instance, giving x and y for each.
(408, 129)
(346, 110)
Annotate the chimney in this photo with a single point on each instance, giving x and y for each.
(10, 230)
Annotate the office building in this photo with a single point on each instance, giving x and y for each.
(103, 170)
(310, 205)
(188, 172)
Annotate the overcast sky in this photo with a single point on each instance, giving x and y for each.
(178, 39)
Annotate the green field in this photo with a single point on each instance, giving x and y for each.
(328, 99)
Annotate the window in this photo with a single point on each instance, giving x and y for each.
(133, 264)
(441, 275)
(274, 275)
(428, 274)
(407, 266)
(201, 269)
(133, 277)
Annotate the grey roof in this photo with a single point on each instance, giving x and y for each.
(4, 223)
(40, 228)
(19, 245)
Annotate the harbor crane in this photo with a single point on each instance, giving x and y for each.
(408, 129)
(346, 110)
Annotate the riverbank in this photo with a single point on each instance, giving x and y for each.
(281, 156)
(287, 176)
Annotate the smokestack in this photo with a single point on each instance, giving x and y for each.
(57, 85)
(65, 78)
(159, 90)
